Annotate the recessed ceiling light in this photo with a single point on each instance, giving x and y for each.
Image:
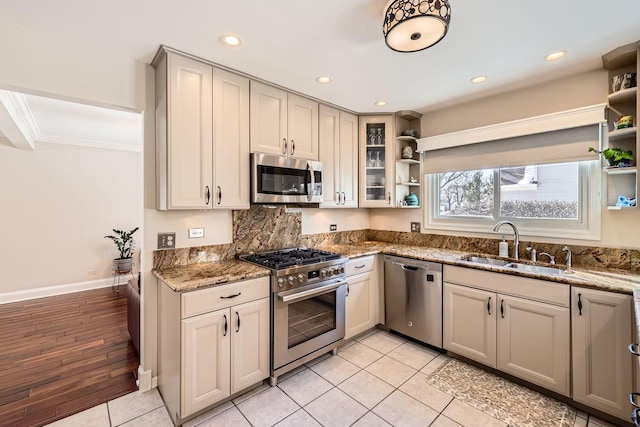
(381, 104)
(231, 40)
(479, 79)
(323, 79)
(555, 55)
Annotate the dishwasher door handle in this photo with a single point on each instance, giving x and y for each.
(408, 267)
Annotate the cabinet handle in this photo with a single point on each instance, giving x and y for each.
(226, 326)
(389, 197)
(489, 306)
(219, 194)
(635, 417)
(580, 304)
(338, 197)
(293, 147)
(634, 349)
(238, 326)
(502, 308)
(207, 194)
(232, 296)
(633, 401)
(284, 146)
(347, 289)
(361, 266)
(344, 198)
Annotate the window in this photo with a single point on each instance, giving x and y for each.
(555, 200)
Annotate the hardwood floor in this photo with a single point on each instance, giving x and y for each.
(64, 354)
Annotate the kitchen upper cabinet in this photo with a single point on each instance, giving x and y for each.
(184, 132)
(377, 158)
(602, 364)
(363, 293)
(283, 123)
(338, 133)
(517, 325)
(231, 140)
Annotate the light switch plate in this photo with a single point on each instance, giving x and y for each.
(166, 240)
(196, 233)
(415, 227)
(333, 227)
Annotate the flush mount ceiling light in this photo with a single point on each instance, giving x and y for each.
(231, 40)
(323, 79)
(381, 104)
(479, 79)
(413, 25)
(555, 55)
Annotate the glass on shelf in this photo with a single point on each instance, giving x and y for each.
(370, 161)
(379, 137)
(372, 136)
(378, 163)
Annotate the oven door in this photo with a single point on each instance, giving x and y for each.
(278, 179)
(306, 319)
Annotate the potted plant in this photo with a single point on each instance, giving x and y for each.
(124, 242)
(615, 157)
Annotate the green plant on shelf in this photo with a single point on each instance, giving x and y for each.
(615, 156)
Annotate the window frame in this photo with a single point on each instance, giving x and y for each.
(586, 227)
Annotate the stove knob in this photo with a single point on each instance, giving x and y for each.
(281, 282)
(323, 273)
(292, 280)
(301, 278)
(330, 272)
(340, 270)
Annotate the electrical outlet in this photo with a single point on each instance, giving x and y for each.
(91, 272)
(196, 233)
(166, 240)
(415, 227)
(333, 227)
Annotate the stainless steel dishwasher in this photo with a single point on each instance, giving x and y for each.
(413, 298)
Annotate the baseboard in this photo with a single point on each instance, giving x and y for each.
(50, 291)
(145, 381)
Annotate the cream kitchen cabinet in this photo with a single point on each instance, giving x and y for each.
(223, 334)
(377, 159)
(517, 325)
(363, 294)
(338, 134)
(202, 135)
(283, 123)
(602, 364)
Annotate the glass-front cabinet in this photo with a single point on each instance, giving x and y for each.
(377, 159)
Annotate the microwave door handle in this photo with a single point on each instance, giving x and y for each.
(312, 180)
(298, 296)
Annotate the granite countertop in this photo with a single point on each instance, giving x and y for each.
(196, 276)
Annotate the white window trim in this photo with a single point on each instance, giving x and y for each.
(588, 226)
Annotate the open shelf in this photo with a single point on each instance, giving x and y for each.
(620, 208)
(409, 184)
(405, 138)
(623, 95)
(622, 133)
(409, 161)
(621, 171)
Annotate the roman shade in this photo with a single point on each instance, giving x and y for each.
(554, 138)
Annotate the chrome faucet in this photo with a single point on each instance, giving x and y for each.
(567, 259)
(552, 259)
(516, 236)
(533, 253)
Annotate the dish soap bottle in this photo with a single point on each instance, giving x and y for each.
(503, 249)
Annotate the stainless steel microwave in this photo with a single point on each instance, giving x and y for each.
(278, 179)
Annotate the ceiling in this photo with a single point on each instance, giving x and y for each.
(290, 42)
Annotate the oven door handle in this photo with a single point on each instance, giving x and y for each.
(312, 181)
(298, 296)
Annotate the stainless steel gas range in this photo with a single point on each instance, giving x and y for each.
(308, 289)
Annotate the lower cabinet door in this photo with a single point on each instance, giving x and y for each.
(602, 365)
(205, 353)
(534, 342)
(470, 323)
(250, 344)
(361, 305)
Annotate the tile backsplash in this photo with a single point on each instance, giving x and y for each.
(261, 229)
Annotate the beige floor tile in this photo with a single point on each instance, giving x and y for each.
(229, 418)
(582, 414)
(133, 405)
(413, 355)
(443, 421)
(597, 422)
(305, 386)
(335, 369)
(291, 373)
(335, 409)
(580, 422)
(371, 420)
(251, 393)
(401, 410)
(434, 364)
(391, 371)
(360, 355)
(469, 416)
(366, 388)
(300, 418)
(268, 407)
(208, 415)
(382, 341)
(418, 388)
(156, 418)
(98, 416)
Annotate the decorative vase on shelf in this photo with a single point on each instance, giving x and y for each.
(407, 152)
(412, 200)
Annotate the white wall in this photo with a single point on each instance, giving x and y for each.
(57, 204)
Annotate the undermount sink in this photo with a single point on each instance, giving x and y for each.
(527, 268)
(535, 268)
(486, 261)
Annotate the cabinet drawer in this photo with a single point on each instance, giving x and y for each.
(360, 265)
(206, 300)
